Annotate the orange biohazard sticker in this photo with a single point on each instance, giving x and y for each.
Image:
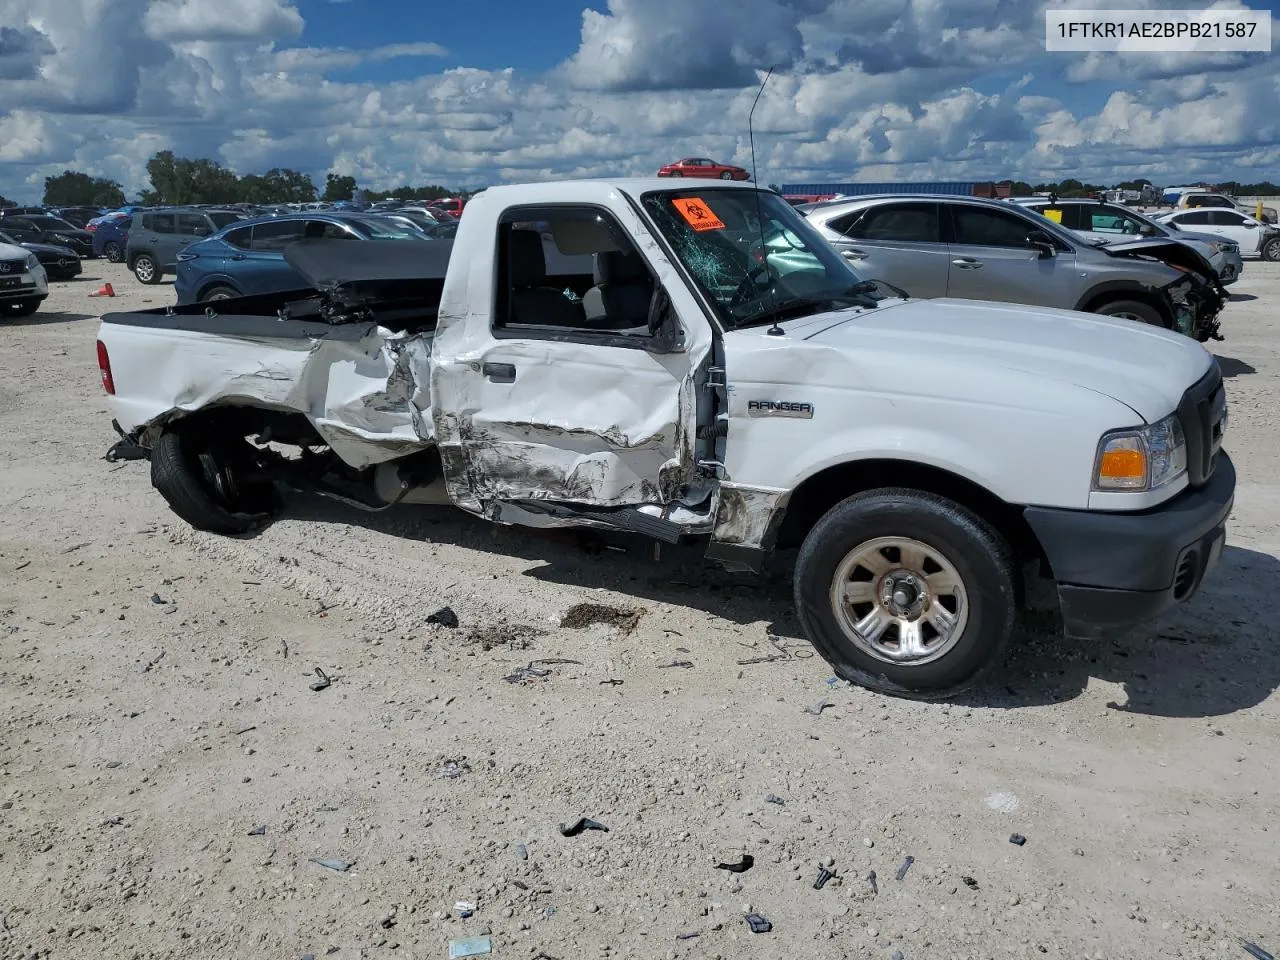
(697, 214)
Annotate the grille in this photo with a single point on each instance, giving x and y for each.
(1202, 414)
(1185, 577)
(12, 266)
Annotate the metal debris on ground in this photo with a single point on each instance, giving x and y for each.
(691, 935)
(871, 879)
(155, 598)
(323, 683)
(611, 683)
(470, 947)
(464, 908)
(453, 769)
(153, 662)
(1254, 950)
(684, 664)
(742, 866)
(774, 798)
(445, 617)
(259, 831)
(125, 449)
(758, 924)
(341, 866)
(1017, 839)
(969, 882)
(243, 730)
(906, 865)
(582, 823)
(818, 707)
(534, 672)
(784, 653)
(823, 876)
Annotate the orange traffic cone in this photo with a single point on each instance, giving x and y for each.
(106, 290)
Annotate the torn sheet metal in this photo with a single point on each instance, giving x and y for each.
(744, 515)
(355, 386)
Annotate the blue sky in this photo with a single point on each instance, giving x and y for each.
(473, 93)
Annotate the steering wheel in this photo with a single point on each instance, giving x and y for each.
(748, 287)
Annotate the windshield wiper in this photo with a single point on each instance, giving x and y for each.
(791, 307)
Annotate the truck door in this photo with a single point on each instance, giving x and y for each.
(554, 387)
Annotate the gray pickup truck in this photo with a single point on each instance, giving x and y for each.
(974, 249)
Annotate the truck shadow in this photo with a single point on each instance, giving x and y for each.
(43, 318)
(1215, 655)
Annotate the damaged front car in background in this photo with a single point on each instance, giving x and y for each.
(696, 363)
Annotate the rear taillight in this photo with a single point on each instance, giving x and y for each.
(91, 227)
(104, 364)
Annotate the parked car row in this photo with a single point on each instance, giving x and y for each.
(978, 249)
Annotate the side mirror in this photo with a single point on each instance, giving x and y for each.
(1041, 241)
(665, 333)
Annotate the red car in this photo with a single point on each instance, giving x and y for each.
(450, 205)
(702, 167)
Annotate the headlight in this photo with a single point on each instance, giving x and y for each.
(32, 262)
(1141, 458)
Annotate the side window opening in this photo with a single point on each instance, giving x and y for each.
(564, 270)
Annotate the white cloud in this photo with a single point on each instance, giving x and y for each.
(178, 20)
(869, 89)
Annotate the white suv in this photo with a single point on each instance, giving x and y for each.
(1254, 236)
(23, 283)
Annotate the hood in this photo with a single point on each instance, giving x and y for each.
(1164, 249)
(11, 251)
(364, 265)
(1200, 237)
(1143, 367)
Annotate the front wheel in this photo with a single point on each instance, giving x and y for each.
(1132, 310)
(906, 593)
(1271, 250)
(727, 175)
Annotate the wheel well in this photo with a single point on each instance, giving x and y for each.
(1139, 296)
(815, 496)
(211, 285)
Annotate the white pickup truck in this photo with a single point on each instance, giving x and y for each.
(693, 361)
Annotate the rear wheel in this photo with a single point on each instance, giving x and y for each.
(113, 251)
(906, 593)
(220, 292)
(22, 308)
(1271, 250)
(211, 482)
(726, 175)
(676, 173)
(146, 269)
(1132, 310)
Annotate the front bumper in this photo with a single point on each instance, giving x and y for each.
(1115, 570)
(23, 286)
(63, 269)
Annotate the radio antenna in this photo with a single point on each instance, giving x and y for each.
(775, 330)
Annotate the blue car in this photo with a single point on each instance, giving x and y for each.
(247, 258)
(111, 237)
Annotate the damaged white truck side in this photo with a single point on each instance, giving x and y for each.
(696, 362)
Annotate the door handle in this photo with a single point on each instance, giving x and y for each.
(853, 254)
(966, 263)
(499, 372)
(236, 256)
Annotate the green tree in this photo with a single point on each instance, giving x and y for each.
(277, 186)
(74, 189)
(338, 187)
(176, 180)
(6, 202)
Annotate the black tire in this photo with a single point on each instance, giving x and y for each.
(146, 269)
(199, 478)
(726, 175)
(22, 308)
(1132, 310)
(113, 252)
(980, 557)
(220, 291)
(676, 173)
(1271, 250)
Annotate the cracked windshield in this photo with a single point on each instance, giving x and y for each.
(755, 257)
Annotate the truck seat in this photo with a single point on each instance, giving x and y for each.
(623, 288)
(532, 302)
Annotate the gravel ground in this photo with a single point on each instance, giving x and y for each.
(157, 710)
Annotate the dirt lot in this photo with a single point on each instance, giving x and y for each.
(154, 688)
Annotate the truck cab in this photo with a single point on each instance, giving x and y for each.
(695, 362)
